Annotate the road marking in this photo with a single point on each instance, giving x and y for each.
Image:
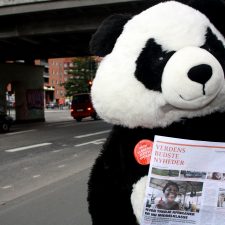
(95, 142)
(92, 134)
(67, 125)
(20, 132)
(27, 147)
(61, 166)
(26, 168)
(55, 151)
(59, 123)
(36, 176)
(7, 187)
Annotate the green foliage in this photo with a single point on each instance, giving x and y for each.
(81, 73)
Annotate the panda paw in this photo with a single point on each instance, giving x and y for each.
(137, 197)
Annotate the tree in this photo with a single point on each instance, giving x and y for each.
(81, 75)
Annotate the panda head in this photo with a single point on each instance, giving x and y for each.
(159, 66)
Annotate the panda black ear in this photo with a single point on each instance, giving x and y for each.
(104, 39)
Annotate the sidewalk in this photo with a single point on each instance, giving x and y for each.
(50, 114)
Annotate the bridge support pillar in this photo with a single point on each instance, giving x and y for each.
(27, 82)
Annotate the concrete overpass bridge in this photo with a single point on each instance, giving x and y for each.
(31, 29)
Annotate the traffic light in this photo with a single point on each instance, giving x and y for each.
(89, 84)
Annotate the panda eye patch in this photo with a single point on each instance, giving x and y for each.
(214, 46)
(150, 65)
(209, 49)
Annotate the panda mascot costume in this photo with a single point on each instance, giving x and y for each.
(162, 73)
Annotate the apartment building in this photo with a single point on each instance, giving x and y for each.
(55, 74)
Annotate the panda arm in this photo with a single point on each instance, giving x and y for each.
(109, 188)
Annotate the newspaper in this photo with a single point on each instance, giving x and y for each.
(186, 183)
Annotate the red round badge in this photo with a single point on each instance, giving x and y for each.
(143, 152)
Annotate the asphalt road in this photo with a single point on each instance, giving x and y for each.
(44, 168)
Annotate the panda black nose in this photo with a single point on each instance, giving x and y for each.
(200, 74)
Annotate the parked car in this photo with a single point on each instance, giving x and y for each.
(52, 105)
(82, 107)
(5, 122)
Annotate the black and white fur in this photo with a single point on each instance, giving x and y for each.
(171, 27)
(163, 76)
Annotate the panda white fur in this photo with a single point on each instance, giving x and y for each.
(162, 74)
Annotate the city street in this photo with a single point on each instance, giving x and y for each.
(44, 168)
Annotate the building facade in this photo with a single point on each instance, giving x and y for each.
(58, 75)
(55, 74)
